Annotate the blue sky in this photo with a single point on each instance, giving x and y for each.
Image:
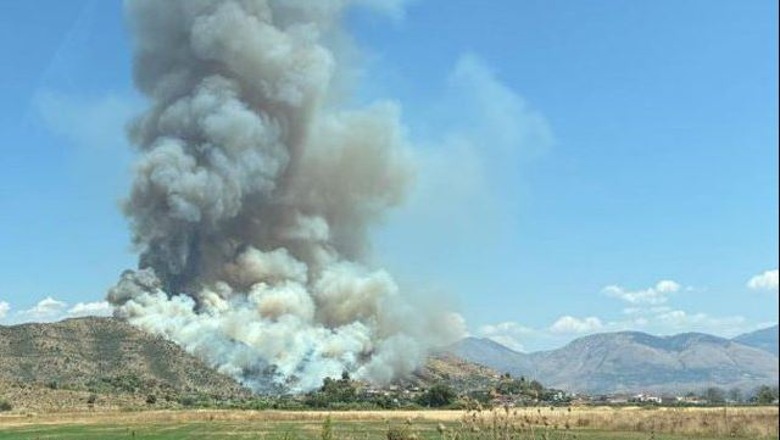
(582, 165)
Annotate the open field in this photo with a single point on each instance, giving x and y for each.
(531, 423)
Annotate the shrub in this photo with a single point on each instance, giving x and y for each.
(187, 401)
(5, 406)
(399, 433)
(438, 395)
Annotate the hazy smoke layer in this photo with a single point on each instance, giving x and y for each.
(253, 195)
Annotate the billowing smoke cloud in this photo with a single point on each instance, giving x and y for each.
(254, 194)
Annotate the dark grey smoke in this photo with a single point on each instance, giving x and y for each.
(254, 193)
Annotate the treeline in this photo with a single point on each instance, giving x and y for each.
(344, 393)
(763, 395)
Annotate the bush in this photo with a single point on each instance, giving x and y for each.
(187, 401)
(399, 433)
(5, 406)
(438, 395)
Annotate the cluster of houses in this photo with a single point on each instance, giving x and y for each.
(624, 399)
(560, 397)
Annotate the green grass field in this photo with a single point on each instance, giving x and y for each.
(522, 424)
(282, 431)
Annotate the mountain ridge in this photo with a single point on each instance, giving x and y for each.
(632, 361)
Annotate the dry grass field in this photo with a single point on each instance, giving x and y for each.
(530, 423)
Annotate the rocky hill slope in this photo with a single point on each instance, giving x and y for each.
(460, 374)
(104, 355)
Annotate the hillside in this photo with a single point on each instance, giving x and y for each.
(765, 339)
(64, 365)
(633, 362)
(105, 356)
(461, 374)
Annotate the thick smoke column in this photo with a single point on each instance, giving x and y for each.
(253, 196)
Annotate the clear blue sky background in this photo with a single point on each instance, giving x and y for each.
(563, 147)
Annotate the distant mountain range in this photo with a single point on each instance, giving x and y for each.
(638, 362)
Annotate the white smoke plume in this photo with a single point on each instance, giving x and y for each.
(254, 194)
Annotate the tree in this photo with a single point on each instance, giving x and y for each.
(341, 390)
(765, 395)
(735, 394)
(536, 388)
(509, 386)
(715, 395)
(437, 396)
